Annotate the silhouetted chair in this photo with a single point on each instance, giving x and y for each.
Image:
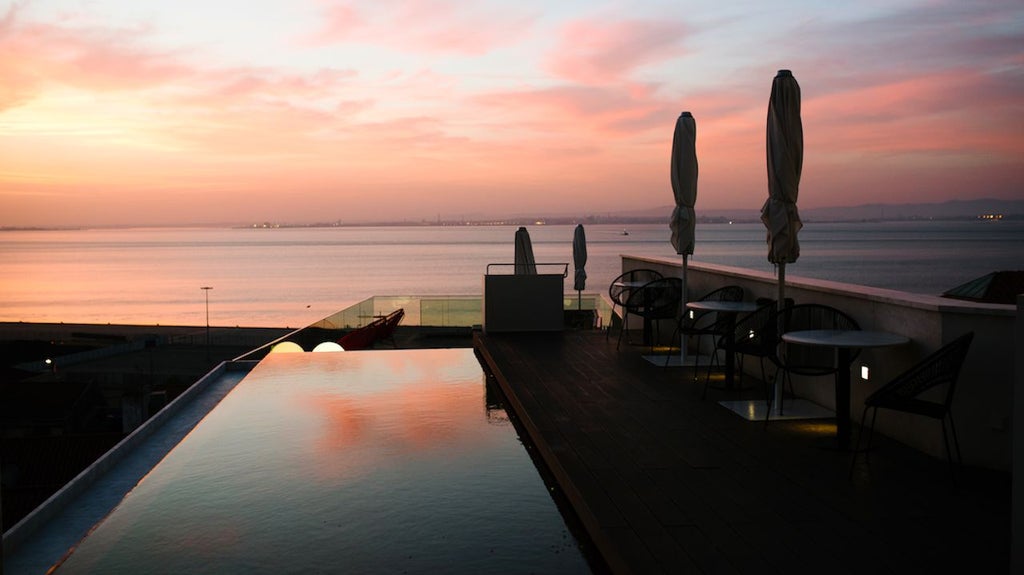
(700, 323)
(621, 288)
(654, 301)
(753, 334)
(904, 392)
(810, 360)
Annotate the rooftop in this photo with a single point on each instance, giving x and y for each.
(664, 481)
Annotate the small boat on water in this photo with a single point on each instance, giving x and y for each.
(624, 233)
(382, 328)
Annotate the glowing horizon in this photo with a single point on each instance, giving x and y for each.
(125, 113)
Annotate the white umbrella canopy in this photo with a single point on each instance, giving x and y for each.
(579, 262)
(684, 188)
(785, 154)
(524, 262)
(684, 183)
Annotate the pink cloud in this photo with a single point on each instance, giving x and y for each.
(442, 26)
(600, 52)
(586, 111)
(960, 111)
(34, 54)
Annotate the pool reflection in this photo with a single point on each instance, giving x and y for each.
(356, 462)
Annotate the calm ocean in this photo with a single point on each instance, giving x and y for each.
(293, 277)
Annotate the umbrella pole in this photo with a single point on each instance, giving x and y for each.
(682, 336)
(779, 385)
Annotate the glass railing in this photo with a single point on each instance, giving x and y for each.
(584, 311)
(446, 310)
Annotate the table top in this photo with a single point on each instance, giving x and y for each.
(725, 306)
(844, 338)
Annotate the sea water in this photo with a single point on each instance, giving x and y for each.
(291, 277)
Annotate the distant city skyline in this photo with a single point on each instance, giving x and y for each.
(161, 113)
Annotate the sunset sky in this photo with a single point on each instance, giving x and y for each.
(174, 112)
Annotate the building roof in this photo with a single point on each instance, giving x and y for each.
(996, 287)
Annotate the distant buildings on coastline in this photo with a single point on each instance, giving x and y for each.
(741, 218)
(982, 209)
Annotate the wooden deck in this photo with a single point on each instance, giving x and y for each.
(665, 482)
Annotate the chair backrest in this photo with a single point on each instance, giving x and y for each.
(941, 367)
(808, 359)
(693, 318)
(756, 332)
(628, 282)
(658, 298)
(727, 293)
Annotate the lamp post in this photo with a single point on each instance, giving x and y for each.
(206, 290)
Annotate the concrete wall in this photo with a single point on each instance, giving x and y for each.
(1017, 543)
(983, 402)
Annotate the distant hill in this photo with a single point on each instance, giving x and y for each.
(950, 210)
(953, 209)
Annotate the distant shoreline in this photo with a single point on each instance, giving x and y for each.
(112, 330)
(515, 222)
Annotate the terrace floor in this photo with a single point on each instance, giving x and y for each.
(665, 482)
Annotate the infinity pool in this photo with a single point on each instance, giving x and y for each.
(357, 462)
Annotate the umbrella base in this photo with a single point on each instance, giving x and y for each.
(675, 360)
(754, 410)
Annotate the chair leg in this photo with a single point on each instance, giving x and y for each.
(768, 403)
(656, 336)
(707, 380)
(622, 329)
(956, 443)
(682, 342)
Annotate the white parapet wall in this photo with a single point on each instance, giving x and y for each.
(983, 404)
(1017, 541)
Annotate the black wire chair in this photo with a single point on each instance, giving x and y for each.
(656, 300)
(624, 285)
(809, 360)
(903, 394)
(754, 334)
(702, 323)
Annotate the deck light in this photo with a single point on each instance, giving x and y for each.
(286, 347)
(864, 372)
(328, 346)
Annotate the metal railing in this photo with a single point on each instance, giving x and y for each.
(564, 267)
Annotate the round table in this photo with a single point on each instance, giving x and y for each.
(844, 342)
(730, 308)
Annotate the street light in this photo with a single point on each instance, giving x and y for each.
(207, 289)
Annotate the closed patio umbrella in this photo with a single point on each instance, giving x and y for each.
(524, 262)
(785, 154)
(579, 262)
(684, 188)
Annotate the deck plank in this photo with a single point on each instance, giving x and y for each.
(665, 482)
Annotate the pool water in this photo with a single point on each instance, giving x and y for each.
(357, 462)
